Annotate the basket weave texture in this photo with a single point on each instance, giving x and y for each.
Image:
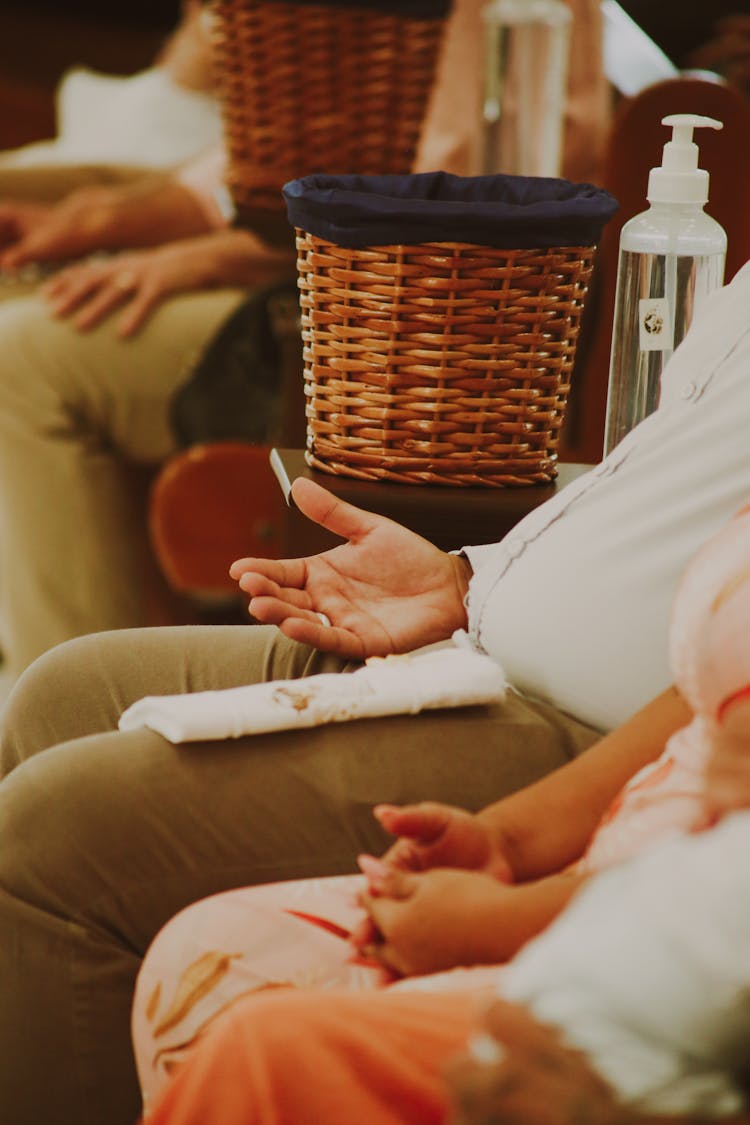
(442, 363)
(312, 88)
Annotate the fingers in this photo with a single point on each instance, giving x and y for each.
(322, 507)
(424, 822)
(417, 826)
(393, 886)
(364, 935)
(375, 871)
(259, 585)
(325, 638)
(287, 573)
(137, 313)
(92, 290)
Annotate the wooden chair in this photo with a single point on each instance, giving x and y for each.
(634, 147)
(304, 88)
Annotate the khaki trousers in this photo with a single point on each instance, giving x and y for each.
(81, 415)
(105, 835)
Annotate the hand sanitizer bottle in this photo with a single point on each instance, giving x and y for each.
(671, 257)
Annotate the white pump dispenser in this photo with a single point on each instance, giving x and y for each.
(671, 257)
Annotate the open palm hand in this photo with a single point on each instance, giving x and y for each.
(385, 590)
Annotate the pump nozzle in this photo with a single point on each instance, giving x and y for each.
(679, 179)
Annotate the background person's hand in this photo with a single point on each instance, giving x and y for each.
(386, 590)
(533, 1078)
(149, 212)
(19, 219)
(139, 280)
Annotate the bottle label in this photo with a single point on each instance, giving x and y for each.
(655, 325)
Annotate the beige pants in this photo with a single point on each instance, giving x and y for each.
(104, 835)
(80, 415)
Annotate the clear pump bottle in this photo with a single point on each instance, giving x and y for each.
(671, 257)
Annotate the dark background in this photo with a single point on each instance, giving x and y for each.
(679, 26)
(40, 39)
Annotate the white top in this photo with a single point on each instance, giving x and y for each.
(648, 972)
(601, 560)
(145, 119)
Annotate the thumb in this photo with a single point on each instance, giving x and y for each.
(423, 822)
(398, 884)
(322, 507)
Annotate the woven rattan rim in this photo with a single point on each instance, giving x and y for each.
(442, 363)
(318, 89)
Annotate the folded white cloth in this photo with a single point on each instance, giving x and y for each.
(445, 677)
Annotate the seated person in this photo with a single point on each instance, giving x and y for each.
(90, 362)
(89, 366)
(435, 918)
(645, 974)
(645, 971)
(107, 834)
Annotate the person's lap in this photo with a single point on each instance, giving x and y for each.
(82, 416)
(105, 836)
(379, 1059)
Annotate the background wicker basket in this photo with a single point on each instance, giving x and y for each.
(320, 87)
(441, 363)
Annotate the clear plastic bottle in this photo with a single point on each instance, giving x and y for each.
(671, 257)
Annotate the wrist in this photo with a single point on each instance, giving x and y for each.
(512, 922)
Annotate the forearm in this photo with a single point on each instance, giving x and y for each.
(505, 928)
(150, 212)
(547, 825)
(242, 260)
(147, 214)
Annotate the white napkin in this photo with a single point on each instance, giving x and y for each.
(445, 677)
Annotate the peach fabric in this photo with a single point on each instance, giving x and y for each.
(217, 952)
(382, 1061)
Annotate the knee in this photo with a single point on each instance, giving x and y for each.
(50, 702)
(38, 357)
(20, 322)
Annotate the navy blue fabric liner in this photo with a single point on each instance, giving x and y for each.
(509, 212)
(415, 9)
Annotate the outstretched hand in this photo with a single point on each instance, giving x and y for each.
(386, 590)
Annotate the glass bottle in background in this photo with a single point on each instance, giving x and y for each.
(527, 47)
(671, 257)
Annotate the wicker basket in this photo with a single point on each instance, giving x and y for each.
(441, 363)
(319, 87)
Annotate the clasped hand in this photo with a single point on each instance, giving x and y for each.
(434, 899)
